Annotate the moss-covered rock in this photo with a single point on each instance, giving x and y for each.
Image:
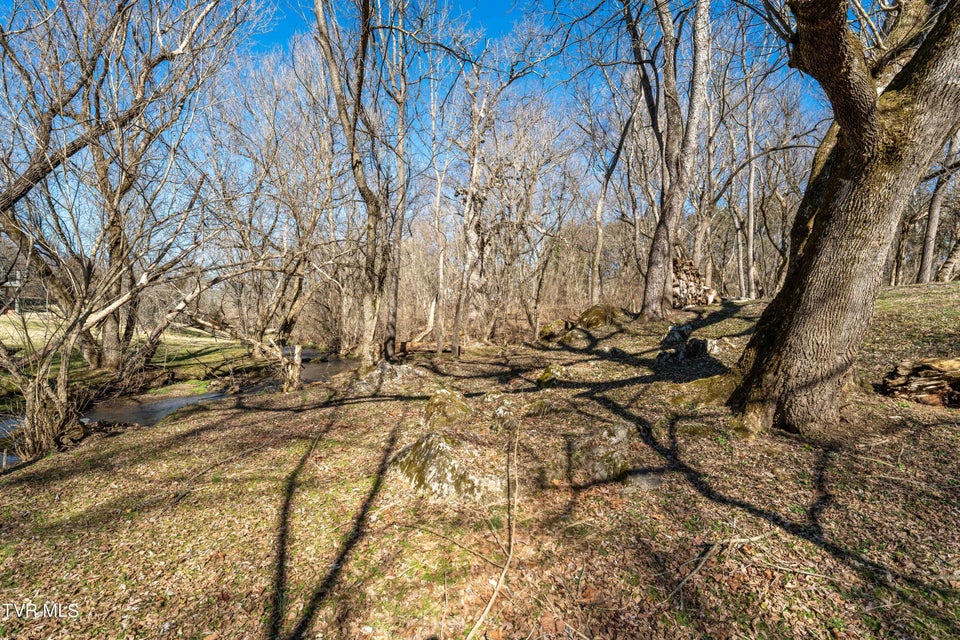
(504, 411)
(607, 456)
(599, 315)
(577, 338)
(382, 378)
(713, 390)
(543, 404)
(550, 375)
(446, 407)
(440, 466)
(554, 330)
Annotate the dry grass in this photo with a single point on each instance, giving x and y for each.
(273, 516)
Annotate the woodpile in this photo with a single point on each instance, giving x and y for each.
(689, 287)
(934, 381)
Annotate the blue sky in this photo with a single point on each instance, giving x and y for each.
(495, 17)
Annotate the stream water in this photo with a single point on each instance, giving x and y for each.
(148, 409)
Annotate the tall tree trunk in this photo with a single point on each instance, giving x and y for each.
(795, 365)
(473, 206)
(741, 274)
(597, 247)
(899, 254)
(393, 294)
(598, 212)
(440, 298)
(928, 258)
(678, 144)
(751, 212)
(930, 231)
(398, 71)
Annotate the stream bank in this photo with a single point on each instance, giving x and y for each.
(148, 408)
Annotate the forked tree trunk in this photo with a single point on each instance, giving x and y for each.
(678, 145)
(804, 346)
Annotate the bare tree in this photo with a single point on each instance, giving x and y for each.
(677, 134)
(84, 74)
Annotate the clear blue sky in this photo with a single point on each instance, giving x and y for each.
(494, 17)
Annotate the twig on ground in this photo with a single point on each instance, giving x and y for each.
(802, 572)
(576, 631)
(462, 546)
(443, 620)
(511, 526)
(716, 547)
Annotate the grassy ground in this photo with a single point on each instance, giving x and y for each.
(278, 516)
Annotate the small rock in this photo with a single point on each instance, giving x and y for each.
(645, 481)
(446, 407)
(550, 375)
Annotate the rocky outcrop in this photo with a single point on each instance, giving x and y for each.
(446, 407)
(605, 457)
(554, 372)
(383, 378)
(554, 330)
(444, 466)
(599, 315)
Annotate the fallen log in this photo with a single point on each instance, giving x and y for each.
(933, 381)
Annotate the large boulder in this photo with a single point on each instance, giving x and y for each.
(440, 466)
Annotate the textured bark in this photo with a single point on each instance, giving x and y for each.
(796, 362)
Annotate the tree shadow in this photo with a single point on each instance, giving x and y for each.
(810, 529)
(324, 589)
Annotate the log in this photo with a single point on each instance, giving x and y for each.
(933, 381)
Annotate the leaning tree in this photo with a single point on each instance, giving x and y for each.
(895, 104)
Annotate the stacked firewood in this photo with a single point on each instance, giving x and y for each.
(934, 381)
(689, 287)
